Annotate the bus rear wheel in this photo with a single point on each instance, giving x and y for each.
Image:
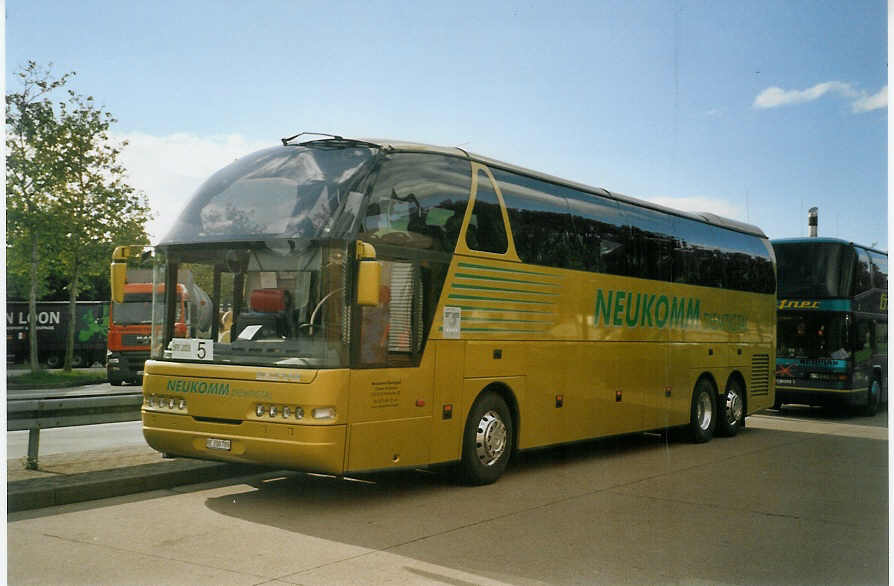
(731, 414)
(703, 413)
(487, 440)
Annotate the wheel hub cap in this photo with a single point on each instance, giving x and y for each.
(490, 440)
(703, 411)
(733, 407)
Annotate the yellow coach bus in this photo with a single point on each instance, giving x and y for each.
(388, 305)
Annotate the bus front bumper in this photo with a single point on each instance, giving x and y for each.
(814, 396)
(308, 448)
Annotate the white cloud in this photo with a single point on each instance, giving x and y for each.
(701, 204)
(773, 97)
(168, 169)
(873, 102)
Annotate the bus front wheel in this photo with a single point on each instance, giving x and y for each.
(731, 414)
(487, 440)
(873, 399)
(703, 414)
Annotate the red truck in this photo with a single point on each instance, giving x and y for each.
(130, 327)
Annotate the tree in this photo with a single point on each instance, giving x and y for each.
(88, 205)
(102, 208)
(33, 176)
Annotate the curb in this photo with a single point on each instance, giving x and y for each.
(36, 493)
(61, 385)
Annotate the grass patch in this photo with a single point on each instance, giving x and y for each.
(57, 377)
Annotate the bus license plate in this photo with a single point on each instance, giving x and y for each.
(213, 443)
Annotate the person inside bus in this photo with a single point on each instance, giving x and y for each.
(799, 345)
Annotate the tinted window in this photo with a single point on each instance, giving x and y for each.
(486, 230)
(538, 217)
(600, 234)
(418, 200)
(288, 192)
(863, 277)
(650, 243)
(814, 269)
(879, 270)
(699, 254)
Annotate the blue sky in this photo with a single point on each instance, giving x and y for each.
(755, 110)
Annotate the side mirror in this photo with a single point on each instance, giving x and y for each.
(119, 275)
(369, 275)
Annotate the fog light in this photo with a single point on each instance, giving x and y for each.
(259, 411)
(324, 413)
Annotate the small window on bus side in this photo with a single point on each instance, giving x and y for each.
(863, 280)
(486, 231)
(538, 217)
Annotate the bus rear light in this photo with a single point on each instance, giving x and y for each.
(182, 404)
(272, 410)
(286, 412)
(324, 413)
(259, 410)
(299, 413)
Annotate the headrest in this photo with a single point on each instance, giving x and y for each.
(269, 300)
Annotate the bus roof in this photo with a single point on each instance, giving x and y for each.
(705, 217)
(809, 240)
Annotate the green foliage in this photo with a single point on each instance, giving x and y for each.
(68, 201)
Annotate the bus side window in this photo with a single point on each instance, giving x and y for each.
(879, 270)
(486, 231)
(600, 234)
(539, 219)
(863, 281)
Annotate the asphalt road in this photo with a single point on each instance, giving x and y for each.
(798, 497)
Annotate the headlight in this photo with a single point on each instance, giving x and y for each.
(324, 413)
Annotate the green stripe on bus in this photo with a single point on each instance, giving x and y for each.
(487, 268)
(480, 288)
(489, 278)
(501, 320)
(473, 297)
(503, 309)
(499, 331)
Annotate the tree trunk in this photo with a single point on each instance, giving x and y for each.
(32, 306)
(72, 317)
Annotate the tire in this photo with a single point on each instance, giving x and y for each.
(731, 411)
(703, 412)
(116, 382)
(78, 361)
(873, 398)
(487, 440)
(54, 361)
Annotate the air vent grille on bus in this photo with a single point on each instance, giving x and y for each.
(760, 374)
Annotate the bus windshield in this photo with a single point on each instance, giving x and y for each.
(295, 192)
(814, 270)
(279, 303)
(813, 334)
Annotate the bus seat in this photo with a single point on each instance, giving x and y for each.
(268, 308)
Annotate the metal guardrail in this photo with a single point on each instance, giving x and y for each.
(45, 413)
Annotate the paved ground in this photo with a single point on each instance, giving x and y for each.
(799, 497)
